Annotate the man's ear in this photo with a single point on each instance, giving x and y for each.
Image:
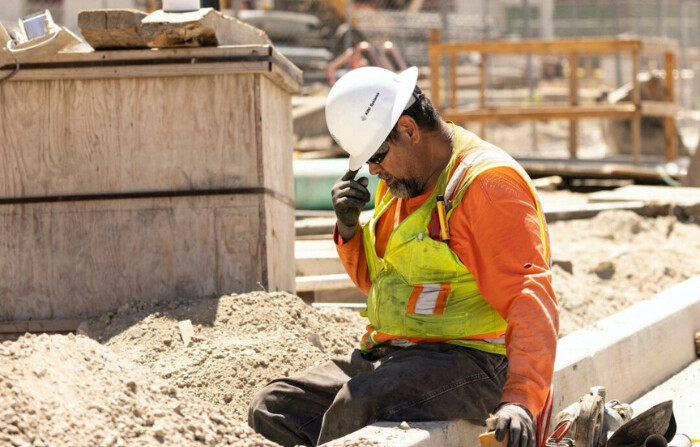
(408, 125)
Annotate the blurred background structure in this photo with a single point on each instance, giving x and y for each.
(325, 38)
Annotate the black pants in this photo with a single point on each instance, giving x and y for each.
(429, 381)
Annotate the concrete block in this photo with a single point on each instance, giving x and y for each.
(630, 352)
(416, 434)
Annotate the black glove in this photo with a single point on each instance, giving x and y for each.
(349, 197)
(518, 422)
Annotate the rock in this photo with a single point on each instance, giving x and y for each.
(112, 28)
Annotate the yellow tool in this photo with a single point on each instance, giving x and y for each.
(442, 215)
(488, 439)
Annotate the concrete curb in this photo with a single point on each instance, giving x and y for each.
(629, 353)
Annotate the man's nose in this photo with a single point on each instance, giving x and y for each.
(374, 168)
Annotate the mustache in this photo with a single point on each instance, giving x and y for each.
(384, 176)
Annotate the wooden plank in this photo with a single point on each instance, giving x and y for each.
(435, 54)
(670, 121)
(112, 28)
(69, 260)
(538, 112)
(594, 169)
(276, 140)
(483, 85)
(453, 81)
(166, 62)
(12, 327)
(637, 117)
(153, 55)
(540, 46)
(573, 102)
(589, 210)
(323, 282)
(685, 196)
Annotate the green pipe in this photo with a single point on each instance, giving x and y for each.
(313, 180)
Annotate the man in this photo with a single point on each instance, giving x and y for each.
(463, 321)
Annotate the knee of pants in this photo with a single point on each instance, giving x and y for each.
(262, 404)
(355, 403)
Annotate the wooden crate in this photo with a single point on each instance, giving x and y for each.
(144, 175)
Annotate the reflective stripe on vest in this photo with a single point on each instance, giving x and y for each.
(421, 291)
(428, 299)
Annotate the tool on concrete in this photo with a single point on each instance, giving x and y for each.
(591, 421)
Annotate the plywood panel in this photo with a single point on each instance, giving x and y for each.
(279, 242)
(78, 137)
(276, 140)
(76, 259)
(277, 137)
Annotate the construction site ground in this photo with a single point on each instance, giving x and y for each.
(128, 379)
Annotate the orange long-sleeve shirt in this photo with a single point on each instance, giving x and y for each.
(495, 232)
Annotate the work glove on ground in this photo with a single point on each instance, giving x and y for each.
(518, 423)
(349, 197)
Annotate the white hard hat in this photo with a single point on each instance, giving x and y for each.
(363, 107)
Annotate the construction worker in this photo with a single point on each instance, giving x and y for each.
(463, 321)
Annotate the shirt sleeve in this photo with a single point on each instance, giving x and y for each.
(496, 233)
(352, 256)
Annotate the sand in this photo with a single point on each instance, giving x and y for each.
(127, 378)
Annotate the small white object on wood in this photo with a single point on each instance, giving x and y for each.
(180, 5)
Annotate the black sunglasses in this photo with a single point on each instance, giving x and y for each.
(380, 155)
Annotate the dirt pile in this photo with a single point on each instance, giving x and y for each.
(132, 382)
(71, 391)
(611, 261)
(240, 342)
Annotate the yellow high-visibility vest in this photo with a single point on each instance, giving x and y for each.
(421, 291)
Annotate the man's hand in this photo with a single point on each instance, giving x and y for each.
(349, 197)
(516, 421)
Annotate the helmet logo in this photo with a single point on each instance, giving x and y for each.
(369, 108)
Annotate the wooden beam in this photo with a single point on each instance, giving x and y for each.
(539, 112)
(573, 102)
(637, 117)
(670, 121)
(483, 84)
(263, 59)
(435, 55)
(563, 46)
(453, 80)
(323, 282)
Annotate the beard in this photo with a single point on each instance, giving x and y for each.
(404, 188)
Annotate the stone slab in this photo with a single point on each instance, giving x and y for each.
(684, 196)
